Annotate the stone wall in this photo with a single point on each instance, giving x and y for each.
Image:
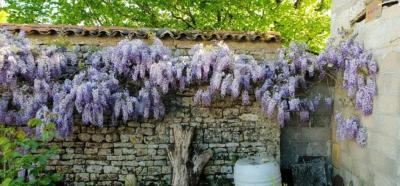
(379, 162)
(104, 156)
(259, 50)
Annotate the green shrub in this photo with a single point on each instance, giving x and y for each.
(24, 154)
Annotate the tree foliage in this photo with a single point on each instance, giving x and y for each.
(299, 20)
(3, 16)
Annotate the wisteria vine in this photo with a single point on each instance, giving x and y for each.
(351, 129)
(128, 81)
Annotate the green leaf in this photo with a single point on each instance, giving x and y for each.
(56, 177)
(6, 182)
(34, 122)
(45, 181)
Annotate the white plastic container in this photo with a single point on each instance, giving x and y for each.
(257, 171)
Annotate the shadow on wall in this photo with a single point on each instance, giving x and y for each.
(306, 146)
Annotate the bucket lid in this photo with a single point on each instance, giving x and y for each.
(255, 160)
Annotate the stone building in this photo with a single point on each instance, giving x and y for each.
(377, 25)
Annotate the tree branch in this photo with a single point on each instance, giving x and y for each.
(199, 162)
(188, 24)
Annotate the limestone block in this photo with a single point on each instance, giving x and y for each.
(84, 136)
(154, 170)
(160, 162)
(69, 177)
(361, 172)
(391, 12)
(133, 124)
(141, 152)
(78, 168)
(123, 145)
(125, 138)
(91, 150)
(104, 152)
(105, 177)
(226, 170)
(124, 163)
(94, 168)
(337, 5)
(82, 177)
(66, 162)
(383, 180)
(69, 150)
(93, 177)
(152, 152)
(229, 113)
(211, 136)
(391, 85)
(384, 124)
(383, 28)
(385, 104)
(115, 158)
(128, 151)
(249, 117)
(387, 58)
(383, 144)
(111, 169)
(166, 169)
(211, 169)
(107, 145)
(98, 138)
(145, 131)
(112, 137)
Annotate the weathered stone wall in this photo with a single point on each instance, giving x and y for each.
(226, 128)
(379, 162)
(259, 50)
(104, 156)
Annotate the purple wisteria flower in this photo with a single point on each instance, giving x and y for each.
(245, 98)
(129, 80)
(351, 129)
(304, 116)
(294, 105)
(362, 137)
(329, 102)
(198, 97)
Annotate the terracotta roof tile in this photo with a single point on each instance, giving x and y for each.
(141, 32)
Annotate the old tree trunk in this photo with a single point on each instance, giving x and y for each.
(186, 169)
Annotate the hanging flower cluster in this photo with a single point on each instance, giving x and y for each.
(351, 129)
(359, 71)
(27, 74)
(128, 81)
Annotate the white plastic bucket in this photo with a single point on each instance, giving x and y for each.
(257, 171)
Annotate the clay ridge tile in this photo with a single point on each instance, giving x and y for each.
(141, 33)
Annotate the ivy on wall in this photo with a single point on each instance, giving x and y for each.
(128, 81)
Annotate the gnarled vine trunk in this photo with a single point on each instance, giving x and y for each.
(186, 171)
